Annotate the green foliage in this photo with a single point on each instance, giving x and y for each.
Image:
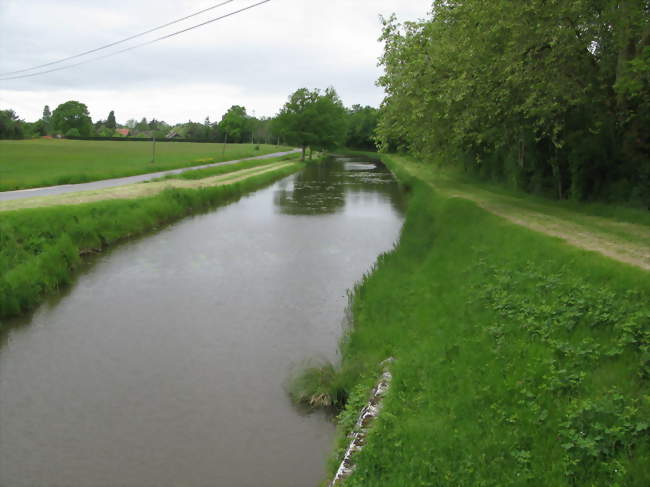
(110, 121)
(73, 132)
(318, 387)
(236, 124)
(362, 122)
(520, 360)
(11, 127)
(40, 248)
(312, 119)
(549, 97)
(72, 115)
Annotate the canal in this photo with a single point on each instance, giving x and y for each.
(165, 363)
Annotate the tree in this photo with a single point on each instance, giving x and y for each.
(46, 127)
(311, 119)
(235, 123)
(72, 115)
(110, 121)
(11, 127)
(362, 122)
(548, 96)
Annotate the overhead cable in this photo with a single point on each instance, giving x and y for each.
(130, 48)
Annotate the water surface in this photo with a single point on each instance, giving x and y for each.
(164, 364)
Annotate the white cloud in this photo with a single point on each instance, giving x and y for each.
(254, 59)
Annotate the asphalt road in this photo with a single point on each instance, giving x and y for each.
(108, 183)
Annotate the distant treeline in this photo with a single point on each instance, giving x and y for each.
(551, 97)
(72, 121)
(144, 139)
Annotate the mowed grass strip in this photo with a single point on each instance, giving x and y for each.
(49, 162)
(520, 360)
(40, 248)
(224, 175)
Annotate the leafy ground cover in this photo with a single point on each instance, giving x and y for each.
(40, 248)
(49, 162)
(520, 360)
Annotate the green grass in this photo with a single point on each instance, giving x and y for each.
(48, 162)
(41, 248)
(520, 360)
(219, 170)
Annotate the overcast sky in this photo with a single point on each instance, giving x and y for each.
(256, 58)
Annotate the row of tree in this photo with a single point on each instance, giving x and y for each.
(552, 96)
(310, 119)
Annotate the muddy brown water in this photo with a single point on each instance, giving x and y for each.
(164, 364)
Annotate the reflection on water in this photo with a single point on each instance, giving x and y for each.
(325, 188)
(164, 364)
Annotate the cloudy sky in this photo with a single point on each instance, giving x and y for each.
(256, 58)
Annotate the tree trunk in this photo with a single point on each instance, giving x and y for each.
(303, 153)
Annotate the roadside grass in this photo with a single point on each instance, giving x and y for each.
(41, 248)
(224, 175)
(520, 360)
(48, 162)
(216, 171)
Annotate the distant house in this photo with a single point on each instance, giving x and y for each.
(123, 132)
(173, 135)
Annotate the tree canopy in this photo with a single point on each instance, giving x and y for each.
(551, 96)
(110, 121)
(72, 115)
(236, 124)
(312, 119)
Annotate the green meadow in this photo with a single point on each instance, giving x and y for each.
(520, 360)
(48, 162)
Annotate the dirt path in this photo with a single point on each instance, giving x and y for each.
(622, 241)
(138, 190)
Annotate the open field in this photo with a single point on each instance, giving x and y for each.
(49, 162)
(520, 360)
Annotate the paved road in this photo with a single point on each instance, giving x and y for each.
(108, 183)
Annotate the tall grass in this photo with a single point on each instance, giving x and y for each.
(520, 360)
(40, 248)
(44, 162)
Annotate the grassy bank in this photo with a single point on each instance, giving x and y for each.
(193, 179)
(216, 171)
(40, 248)
(49, 162)
(520, 360)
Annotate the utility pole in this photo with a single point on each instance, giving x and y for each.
(225, 142)
(153, 149)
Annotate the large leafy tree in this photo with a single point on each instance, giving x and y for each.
(72, 115)
(547, 95)
(236, 124)
(312, 119)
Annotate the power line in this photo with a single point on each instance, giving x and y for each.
(118, 42)
(137, 45)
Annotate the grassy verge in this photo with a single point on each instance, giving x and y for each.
(209, 177)
(216, 171)
(40, 248)
(520, 360)
(45, 162)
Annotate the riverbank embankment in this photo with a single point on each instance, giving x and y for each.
(520, 359)
(40, 248)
